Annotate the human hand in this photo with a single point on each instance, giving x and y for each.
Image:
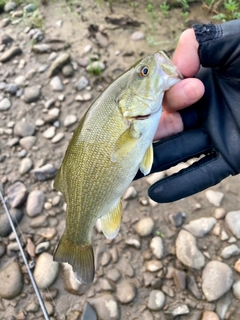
(211, 125)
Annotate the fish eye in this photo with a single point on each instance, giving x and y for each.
(144, 71)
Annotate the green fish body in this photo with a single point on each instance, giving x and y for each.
(111, 143)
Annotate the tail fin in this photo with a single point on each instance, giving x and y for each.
(79, 256)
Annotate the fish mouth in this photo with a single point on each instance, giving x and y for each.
(143, 117)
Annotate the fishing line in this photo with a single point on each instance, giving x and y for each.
(35, 287)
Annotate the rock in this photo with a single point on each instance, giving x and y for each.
(50, 132)
(58, 137)
(10, 6)
(222, 305)
(56, 84)
(232, 220)
(106, 307)
(41, 247)
(200, 227)
(180, 310)
(5, 104)
(156, 245)
(113, 274)
(25, 165)
(193, 287)
(5, 227)
(153, 265)
(11, 280)
(214, 197)
(58, 63)
(138, 35)
(32, 307)
(134, 242)
(16, 194)
(96, 67)
(88, 313)
(27, 142)
(217, 279)
(35, 203)
(236, 289)
(69, 120)
(32, 94)
(48, 171)
(144, 227)
(177, 218)
(102, 39)
(24, 128)
(209, 315)
(40, 221)
(67, 70)
(46, 270)
(187, 251)
(180, 279)
(168, 291)
(126, 292)
(6, 39)
(156, 300)
(30, 7)
(130, 193)
(52, 115)
(82, 83)
(5, 22)
(71, 283)
(237, 266)
(219, 213)
(230, 251)
(10, 53)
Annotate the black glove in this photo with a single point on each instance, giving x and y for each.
(212, 125)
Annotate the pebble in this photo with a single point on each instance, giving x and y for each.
(41, 247)
(46, 270)
(16, 194)
(156, 300)
(10, 6)
(2, 249)
(209, 315)
(236, 289)
(71, 283)
(153, 265)
(180, 279)
(5, 227)
(69, 120)
(56, 84)
(187, 251)
(67, 70)
(214, 197)
(200, 227)
(40, 221)
(156, 245)
(10, 53)
(27, 142)
(5, 22)
(193, 287)
(130, 193)
(13, 142)
(47, 233)
(35, 203)
(134, 242)
(106, 306)
(232, 220)
(58, 137)
(32, 94)
(113, 274)
(48, 171)
(30, 7)
(138, 35)
(217, 279)
(180, 310)
(11, 280)
(49, 133)
(88, 312)
(5, 104)
(177, 219)
(82, 83)
(102, 39)
(58, 63)
(126, 292)
(145, 226)
(230, 251)
(52, 115)
(24, 128)
(32, 307)
(25, 165)
(219, 213)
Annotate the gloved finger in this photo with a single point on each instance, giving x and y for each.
(207, 172)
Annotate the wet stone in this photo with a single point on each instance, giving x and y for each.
(16, 194)
(144, 227)
(35, 203)
(24, 129)
(25, 166)
(217, 280)
(200, 227)
(187, 251)
(45, 172)
(5, 104)
(126, 292)
(5, 227)
(232, 220)
(32, 94)
(156, 300)
(11, 280)
(156, 245)
(46, 270)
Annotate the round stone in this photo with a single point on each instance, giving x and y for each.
(56, 84)
(11, 280)
(156, 300)
(82, 83)
(24, 129)
(16, 194)
(35, 203)
(236, 289)
(156, 245)
(5, 104)
(233, 222)
(144, 227)
(28, 142)
(32, 94)
(69, 120)
(25, 165)
(209, 315)
(46, 270)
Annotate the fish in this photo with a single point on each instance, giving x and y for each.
(112, 142)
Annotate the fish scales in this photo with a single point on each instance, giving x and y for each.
(112, 141)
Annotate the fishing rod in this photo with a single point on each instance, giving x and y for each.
(35, 287)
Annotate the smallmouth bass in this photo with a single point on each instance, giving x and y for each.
(111, 143)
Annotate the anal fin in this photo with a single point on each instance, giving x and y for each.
(111, 221)
(147, 161)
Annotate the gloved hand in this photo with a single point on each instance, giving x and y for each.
(212, 125)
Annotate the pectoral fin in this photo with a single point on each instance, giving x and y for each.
(111, 221)
(125, 143)
(147, 161)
